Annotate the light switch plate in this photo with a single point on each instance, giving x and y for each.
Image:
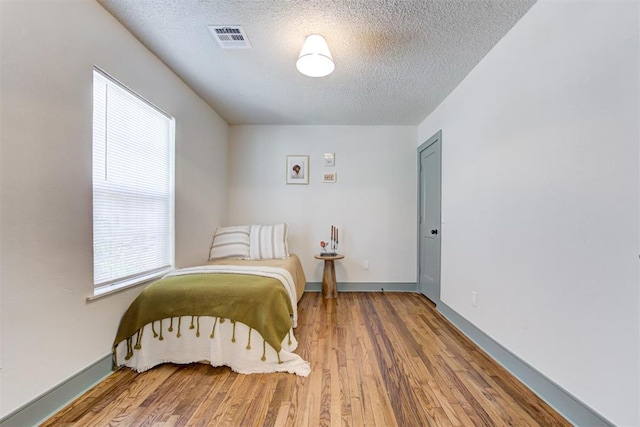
(329, 159)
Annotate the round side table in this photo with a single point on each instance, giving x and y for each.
(329, 286)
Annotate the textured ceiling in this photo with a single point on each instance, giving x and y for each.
(396, 60)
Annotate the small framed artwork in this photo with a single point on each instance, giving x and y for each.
(329, 160)
(297, 169)
(329, 177)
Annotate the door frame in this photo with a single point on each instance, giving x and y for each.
(436, 137)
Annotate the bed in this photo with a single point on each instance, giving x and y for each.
(238, 310)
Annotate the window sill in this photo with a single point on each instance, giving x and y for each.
(104, 291)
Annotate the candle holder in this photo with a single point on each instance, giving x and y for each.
(333, 243)
(334, 246)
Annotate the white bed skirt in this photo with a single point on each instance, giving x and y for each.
(220, 350)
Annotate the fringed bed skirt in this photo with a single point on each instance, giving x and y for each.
(218, 341)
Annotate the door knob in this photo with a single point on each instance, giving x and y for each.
(434, 231)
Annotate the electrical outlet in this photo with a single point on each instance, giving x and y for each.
(474, 298)
(365, 264)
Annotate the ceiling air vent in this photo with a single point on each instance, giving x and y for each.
(230, 36)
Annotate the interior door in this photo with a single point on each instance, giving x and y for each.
(429, 218)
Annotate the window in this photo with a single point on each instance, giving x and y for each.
(133, 190)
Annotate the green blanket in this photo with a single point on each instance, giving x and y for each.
(262, 303)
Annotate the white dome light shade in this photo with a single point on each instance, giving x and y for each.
(315, 59)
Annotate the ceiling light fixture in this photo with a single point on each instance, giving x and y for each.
(315, 59)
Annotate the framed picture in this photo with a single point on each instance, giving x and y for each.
(329, 160)
(329, 177)
(297, 169)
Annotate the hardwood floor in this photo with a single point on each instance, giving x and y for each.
(377, 360)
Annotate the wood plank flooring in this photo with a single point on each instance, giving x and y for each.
(378, 359)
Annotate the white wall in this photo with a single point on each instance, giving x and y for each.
(373, 201)
(49, 332)
(540, 198)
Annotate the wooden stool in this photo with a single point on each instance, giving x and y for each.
(329, 285)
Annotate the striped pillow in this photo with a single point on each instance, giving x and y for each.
(230, 242)
(269, 242)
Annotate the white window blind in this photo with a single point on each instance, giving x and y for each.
(133, 187)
